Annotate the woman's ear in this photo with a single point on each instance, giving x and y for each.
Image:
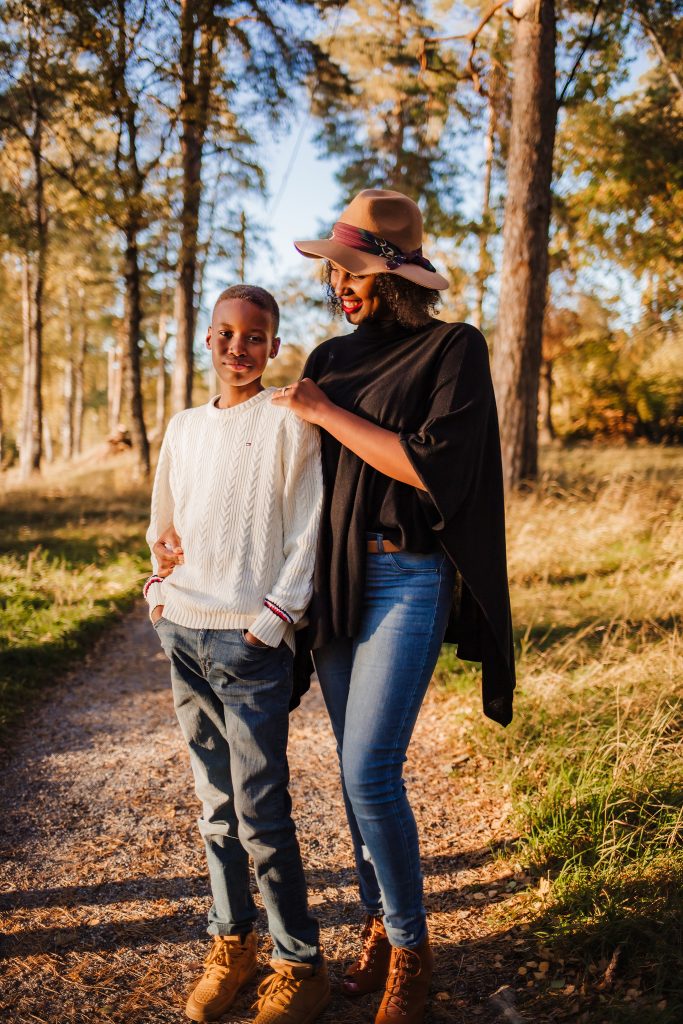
(208, 338)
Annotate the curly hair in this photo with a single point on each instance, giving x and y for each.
(409, 303)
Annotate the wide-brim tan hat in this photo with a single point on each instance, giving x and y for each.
(379, 232)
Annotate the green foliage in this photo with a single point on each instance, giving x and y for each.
(70, 562)
(610, 383)
(624, 202)
(385, 126)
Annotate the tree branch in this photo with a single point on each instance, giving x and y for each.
(471, 36)
(471, 71)
(586, 44)
(659, 50)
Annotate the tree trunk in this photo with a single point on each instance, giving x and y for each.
(132, 318)
(195, 94)
(114, 386)
(79, 375)
(162, 336)
(243, 247)
(67, 429)
(24, 431)
(48, 447)
(524, 273)
(484, 269)
(31, 429)
(33, 287)
(545, 400)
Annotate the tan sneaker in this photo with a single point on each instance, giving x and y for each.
(229, 966)
(294, 994)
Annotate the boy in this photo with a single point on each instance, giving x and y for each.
(240, 479)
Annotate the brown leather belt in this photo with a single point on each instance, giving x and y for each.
(374, 548)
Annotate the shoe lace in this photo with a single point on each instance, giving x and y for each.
(277, 990)
(222, 955)
(404, 965)
(371, 932)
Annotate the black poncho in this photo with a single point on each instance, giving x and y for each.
(431, 385)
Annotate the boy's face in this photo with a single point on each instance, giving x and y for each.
(241, 341)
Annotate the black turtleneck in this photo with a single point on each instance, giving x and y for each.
(432, 386)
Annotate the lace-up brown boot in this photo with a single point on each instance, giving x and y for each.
(369, 972)
(228, 967)
(294, 994)
(407, 987)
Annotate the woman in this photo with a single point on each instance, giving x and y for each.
(411, 552)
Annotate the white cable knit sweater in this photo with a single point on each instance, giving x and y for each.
(243, 488)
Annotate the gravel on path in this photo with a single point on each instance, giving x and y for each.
(103, 893)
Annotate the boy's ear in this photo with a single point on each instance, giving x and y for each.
(274, 348)
(208, 337)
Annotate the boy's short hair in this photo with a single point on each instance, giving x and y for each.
(257, 296)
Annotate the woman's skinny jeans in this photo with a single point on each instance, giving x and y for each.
(374, 685)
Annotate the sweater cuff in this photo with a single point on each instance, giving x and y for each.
(269, 627)
(153, 592)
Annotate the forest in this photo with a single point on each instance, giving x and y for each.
(148, 152)
(134, 140)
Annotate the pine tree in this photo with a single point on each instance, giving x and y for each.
(383, 116)
(524, 273)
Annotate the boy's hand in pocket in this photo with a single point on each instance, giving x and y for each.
(157, 613)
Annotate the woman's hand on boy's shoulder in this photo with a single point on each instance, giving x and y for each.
(168, 551)
(305, 399)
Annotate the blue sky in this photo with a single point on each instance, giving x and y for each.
(303, 193)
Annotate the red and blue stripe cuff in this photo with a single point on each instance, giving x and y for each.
(148, 584)
(277, 610)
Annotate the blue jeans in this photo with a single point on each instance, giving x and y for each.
(232, 702)
(374, 685)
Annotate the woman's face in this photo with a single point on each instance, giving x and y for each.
(358, 294)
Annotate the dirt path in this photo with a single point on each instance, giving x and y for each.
(103, 893)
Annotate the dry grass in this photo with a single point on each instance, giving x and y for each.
(578, 918)
(593, 758)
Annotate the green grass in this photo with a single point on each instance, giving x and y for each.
(593, 760)
(72, 558)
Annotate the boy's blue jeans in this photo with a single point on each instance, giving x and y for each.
(232, 701)
(374, 685)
